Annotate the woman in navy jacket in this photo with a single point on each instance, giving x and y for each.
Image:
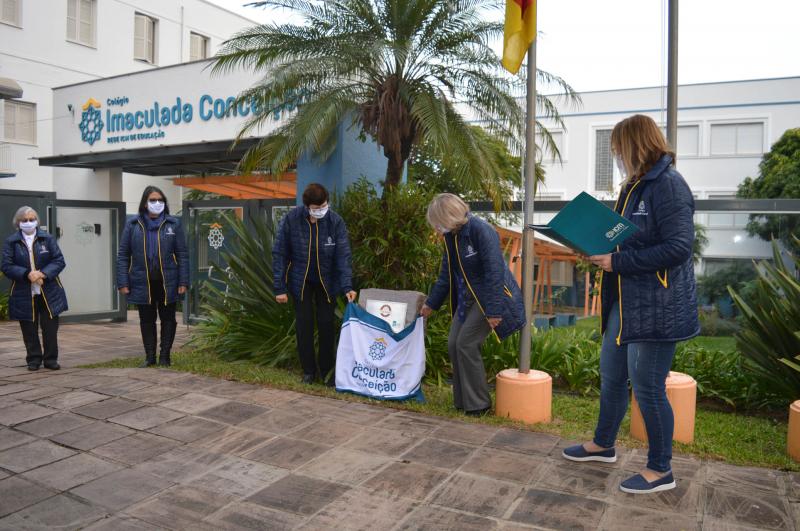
(153, 271)
(311, 261)
(648, 300)
(33, 261)
(484, 296)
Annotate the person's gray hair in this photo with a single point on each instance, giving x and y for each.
(447, 211)
(21, 213)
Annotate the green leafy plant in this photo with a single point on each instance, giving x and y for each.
(713, 325)
(770, 336)
(244, 321)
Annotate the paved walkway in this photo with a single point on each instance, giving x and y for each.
(120, 449)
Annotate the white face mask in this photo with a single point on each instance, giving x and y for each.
(155, 207)
(621, 167)
(318, 213)
(28, 227)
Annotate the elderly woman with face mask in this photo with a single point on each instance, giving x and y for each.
(33, 261)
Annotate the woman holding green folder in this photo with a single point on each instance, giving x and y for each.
(648, 301)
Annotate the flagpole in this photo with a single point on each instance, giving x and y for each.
(527, 231)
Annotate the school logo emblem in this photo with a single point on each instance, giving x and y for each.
(470, 251)
(642, 210)
(330, 242)
(169, 232)
(378, 349)
(91, 125)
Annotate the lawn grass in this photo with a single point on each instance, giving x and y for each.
(736, 439)
(709, 342)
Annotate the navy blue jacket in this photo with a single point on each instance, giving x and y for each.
(292, 247)
(653, 272)
(16, 266)
(132, 271)
(475, 248)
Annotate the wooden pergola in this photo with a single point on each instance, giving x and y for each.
(245, 186)
(547, 252)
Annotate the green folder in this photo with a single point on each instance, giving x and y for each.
(588, 226)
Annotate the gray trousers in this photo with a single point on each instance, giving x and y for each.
(470, 390)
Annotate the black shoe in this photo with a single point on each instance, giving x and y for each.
(53, 365)
(164, 360)
(147, 363)
(168, 329)
(331, 382)
(477, 412)
(308, 379)
(33, 367)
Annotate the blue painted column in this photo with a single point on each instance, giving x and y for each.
(351, 160)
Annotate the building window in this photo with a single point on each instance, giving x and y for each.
(558, 140)
(603, 161)
(737, 139)
(81, 21)
(20, 122)
(198, 47)
(9, 12)
(727, 220)
(144, 39)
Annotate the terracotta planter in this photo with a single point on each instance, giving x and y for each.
(793, 436)
(682, 396)
(525, 397)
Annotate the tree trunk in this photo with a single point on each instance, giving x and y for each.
(394, 170)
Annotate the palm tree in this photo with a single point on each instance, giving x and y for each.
(403, 71)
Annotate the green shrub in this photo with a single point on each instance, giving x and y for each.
(714, 286)
(245, 322)
(393, 247)
(4, 306)
(711, 324)
(770, 332)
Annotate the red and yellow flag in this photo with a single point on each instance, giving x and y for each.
(519, 32)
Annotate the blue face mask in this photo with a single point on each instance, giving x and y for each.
(155, 207)
(28, 227)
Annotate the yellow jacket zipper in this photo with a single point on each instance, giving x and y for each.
(458, 255)
(619, 277)
(160, 262)
(146, 265)
(44, 297)
(319, 268)
(308, 262)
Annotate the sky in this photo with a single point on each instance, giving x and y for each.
(611, 44)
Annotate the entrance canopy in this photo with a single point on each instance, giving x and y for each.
(245, 186)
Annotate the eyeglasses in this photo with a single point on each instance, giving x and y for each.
(155, 200)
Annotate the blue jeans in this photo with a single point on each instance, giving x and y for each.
(647, 366)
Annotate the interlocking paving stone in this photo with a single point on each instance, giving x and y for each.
(120, 387)
(40, 391)
(10, 389)
(245, 515)
(154, 394)
(287, 453)
(586, 479)
(11, 438)
(504, 465)
(476, 434)
(617, 517)
(345, 466)
(438, 453)
(188, 429)
(233, 412)
(107, 408)
(328, 431)
(231, 390)
(19, 413)
(408, 480)
(477, 494)
(196, 383)
(525, 442)
(53, 424)
(183, 464)
(361, 511)
(17, 493)
(277, 422)
(146, 417)
(793, 486)
(383, 442)
(234, 441)
(545, 508)
(192, 403)
(59, 512)
(752, 508)
(32, 455)
(92, 436)
(298, 494)
(71, 472)
(266, 397)
(180, 507)
(415, 426)
(749, 478)
(121, 489)
(239, 477)
(135, 448)
(72, 399)
(122, 523)
(436, 518)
